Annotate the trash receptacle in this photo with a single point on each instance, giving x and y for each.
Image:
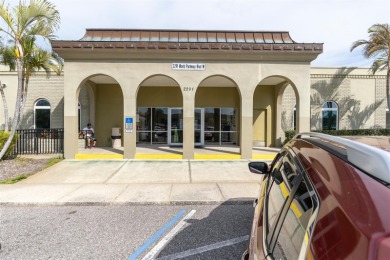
(116, 137)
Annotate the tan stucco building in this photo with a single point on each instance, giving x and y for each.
(198, 88)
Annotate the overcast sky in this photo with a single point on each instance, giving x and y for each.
(336, 23)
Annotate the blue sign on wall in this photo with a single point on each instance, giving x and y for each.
(128, 124)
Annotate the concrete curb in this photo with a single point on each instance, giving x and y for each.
(184, 203)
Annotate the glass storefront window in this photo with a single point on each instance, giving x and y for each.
(160, 119)
(144, 118)
(220, 125)
(160, 137)
(176, 126)
(159, 125)
(228, 119)
(211, 137)
(228, 137)
(152, 125)
(211, 119)
(143, 137)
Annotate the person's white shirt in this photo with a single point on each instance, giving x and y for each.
(88, 131)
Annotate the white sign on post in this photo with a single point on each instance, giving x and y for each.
(188, 66)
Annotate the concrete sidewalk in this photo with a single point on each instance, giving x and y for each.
(81, 182)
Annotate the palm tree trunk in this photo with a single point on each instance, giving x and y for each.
(18, 103)
(24, 97)
(5, 108)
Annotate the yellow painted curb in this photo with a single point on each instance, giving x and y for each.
(98, 156)
(263, 156)
(158, 156)
(217, 156)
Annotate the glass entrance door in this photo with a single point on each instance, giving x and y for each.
(176, 126)
(175, 123)
(198, 127)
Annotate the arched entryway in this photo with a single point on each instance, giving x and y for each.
(100, 103)
(159, 117)
(274, 111)
(217, 116)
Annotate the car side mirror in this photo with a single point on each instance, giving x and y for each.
(258, 167)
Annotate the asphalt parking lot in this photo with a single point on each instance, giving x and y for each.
(125, 232)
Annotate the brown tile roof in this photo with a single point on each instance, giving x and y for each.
(187, 40)
(117, 35)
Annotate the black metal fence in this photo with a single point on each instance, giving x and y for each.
(39, 141)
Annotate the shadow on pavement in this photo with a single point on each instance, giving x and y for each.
(223, 234)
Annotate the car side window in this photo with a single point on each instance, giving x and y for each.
(275, 168)
(293, 230)
(290, 209)
(281, 180)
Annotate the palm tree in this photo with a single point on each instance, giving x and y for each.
(378, 47)
(24, 24)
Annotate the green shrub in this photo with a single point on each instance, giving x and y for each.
(362, 132)
(3, 139)
(289, 134)
(372, 131)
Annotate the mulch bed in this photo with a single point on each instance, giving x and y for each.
(11, 168)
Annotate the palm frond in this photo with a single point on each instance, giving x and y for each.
(8, 19)
(376, 47)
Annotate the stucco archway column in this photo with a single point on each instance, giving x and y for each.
(188, 124)
(70, 116)
(303, 107)
(246, 129)
(129, 113)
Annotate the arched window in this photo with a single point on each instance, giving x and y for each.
(42, 114)
(330, 116)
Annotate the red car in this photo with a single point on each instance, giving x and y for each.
(323, 197)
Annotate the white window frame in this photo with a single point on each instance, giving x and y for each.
(330, 109)
(41, 107)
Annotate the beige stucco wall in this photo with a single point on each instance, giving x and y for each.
(129, 75)
(39, 87)
(159, 97)
(217, 97)
(48, 88)
(263, 99)
(353, 83)
(11, 80)
(106, 106)
(109, 112)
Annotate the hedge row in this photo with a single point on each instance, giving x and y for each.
(377, 132)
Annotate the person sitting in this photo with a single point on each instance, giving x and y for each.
(89, 135)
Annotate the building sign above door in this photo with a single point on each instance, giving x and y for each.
(188, 66)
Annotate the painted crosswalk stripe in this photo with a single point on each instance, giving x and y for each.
(156, 236)
(203, 249)
(168, 237)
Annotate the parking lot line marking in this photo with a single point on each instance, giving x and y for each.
(203, 249)
(168, 236)
(156, 236)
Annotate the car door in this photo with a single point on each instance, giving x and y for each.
(289, 211)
